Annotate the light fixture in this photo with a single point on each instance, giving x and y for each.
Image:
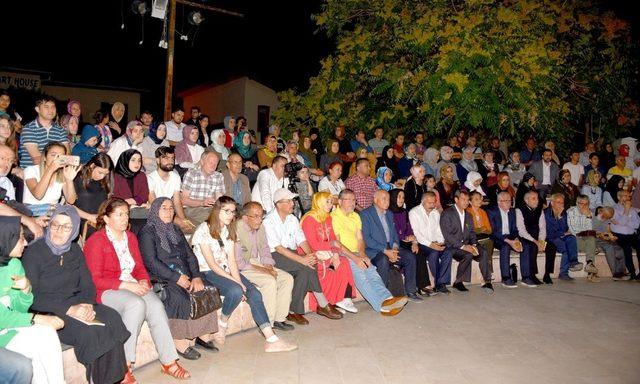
(195, 18)
(139, 7)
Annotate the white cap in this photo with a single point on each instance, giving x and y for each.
(283, 194)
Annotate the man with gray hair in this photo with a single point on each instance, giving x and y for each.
(606, 241)
(580, 220)
(624, 225)
(201, 187)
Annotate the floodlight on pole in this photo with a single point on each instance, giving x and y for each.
(195, 18)
(139, 7)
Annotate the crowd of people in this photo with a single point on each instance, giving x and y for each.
(126, 221)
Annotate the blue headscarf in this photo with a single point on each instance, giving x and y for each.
(81, 149)
(70, 211)
(153, 129)
(246, 151)
(380, 179)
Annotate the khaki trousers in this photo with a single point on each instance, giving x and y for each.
(276, 292)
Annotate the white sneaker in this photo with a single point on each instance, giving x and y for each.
(347, 305)
(279, 346)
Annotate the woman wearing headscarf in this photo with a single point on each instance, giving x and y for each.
(363, 153)
(447, 186)
(467, 164)
(430, 185)
(527, 184)
(70, 124)
(122, 283)
(218, 145)
(75, 109)
(155, 138)
(387, 160)
(407, 161)
(415, 187)
(101, 119)
(515, 168)
(334, 271)
(87, 147)
(408, 240)
(62, 286)
(229, 131)
(188, 151)
(214, 246)
(306, 151)
(332, 155)
(317, 146)
(275, 131)
(171, 263)
(248, 151)
(564, 185)
(446, 158)
(130, 140)
(129, 183)
(430, 162)
(474, 183)
(116, 119)
(267, 153)
(31, 335)
(489, 169)
(611, 189)
(383, 179)
(607, 156)
(503, 185)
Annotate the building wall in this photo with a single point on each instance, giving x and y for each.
(258, 94)
(92, 98)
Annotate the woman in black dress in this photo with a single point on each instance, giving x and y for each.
(92, 188)
(61, 285)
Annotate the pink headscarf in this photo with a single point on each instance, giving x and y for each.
(183, 155)
(70, 103)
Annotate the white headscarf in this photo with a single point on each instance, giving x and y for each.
(224, 151)
(472, 177)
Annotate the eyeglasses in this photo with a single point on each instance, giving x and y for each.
(63, 227)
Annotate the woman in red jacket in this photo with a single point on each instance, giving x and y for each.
(122, 283)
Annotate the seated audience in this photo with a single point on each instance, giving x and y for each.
(624, 226)
(575, 168)
(332, 155)
(415, 187)
(467, 164)
(532, 229)
(218, 146)
(269, 180)
(545, 172)
(619, 169)
(515, 168)
(386, 159)
(268, 152)
(557, 231)
(606, 241)
(447, 186)
(93, 187)
(154, 139)
(594, 165)
(503, 185)
(378, 143)
(504, 234)
(332, 182)
(87, 146)
(38, 133)
(248, 153)
(188, 152)
(481, 225)
(614, 185)
(383, 179)
(129, 183)
(305, 192)
(362, 185)
(408, 161)
(580, 221)
(132, 139)
(528, 184)
(430, 162)
(201, 187)
(101, 118)
(446, 155)
(236, 184)
(564, 186)
(592, 190)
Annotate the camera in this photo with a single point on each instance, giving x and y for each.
(291, 171)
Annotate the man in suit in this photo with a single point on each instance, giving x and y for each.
(504, 235)
(545, 171)
(383, 245)
(457, 228)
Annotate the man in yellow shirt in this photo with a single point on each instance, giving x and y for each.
(348, 229)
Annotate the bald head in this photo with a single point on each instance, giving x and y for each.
(7, 157)
(381, 199)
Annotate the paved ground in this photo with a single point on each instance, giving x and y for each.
(568, 333)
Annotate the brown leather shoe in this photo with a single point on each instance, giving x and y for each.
(298, 319)
(393, 303)
(329, 312)
(392, 312)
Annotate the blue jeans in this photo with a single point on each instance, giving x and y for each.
(15, 368)
(568, 247)
(370, 285)
(439, 264)
(232, 293)
(408, 264)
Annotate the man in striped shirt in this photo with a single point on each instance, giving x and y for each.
(40, 132)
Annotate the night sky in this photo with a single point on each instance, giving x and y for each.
(276, 43)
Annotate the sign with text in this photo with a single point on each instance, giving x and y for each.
(19, 80)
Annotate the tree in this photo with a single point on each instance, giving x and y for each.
(507, 68)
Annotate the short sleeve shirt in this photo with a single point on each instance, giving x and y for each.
(53, 194)
(202, 236)
(346, 228)
(200, 186)
(35, 133)
(287, 234)
(162, 188)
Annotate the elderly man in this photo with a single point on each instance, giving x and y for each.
(580, 221)
(624, 225)
(291, 253)
(201, 187)
(456, 225)
(532, 230)
(348, 229)
(257, 265)
(236, 184)
(383, 245)
(269, 180)
(425, 221)
(606, 241)
(362, 185)
(545, 171)
(504, 235)
(557, 231)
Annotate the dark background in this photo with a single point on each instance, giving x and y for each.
(276, 43)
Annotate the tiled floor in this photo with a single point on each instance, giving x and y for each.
(567, 333)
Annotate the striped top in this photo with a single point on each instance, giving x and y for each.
(35, 133)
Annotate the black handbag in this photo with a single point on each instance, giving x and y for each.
(396, 281)
(204, 302)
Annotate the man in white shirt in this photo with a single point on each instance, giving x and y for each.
(269, 180)
(425, 221)
(286, 241)
(165, 182)
(175, 126)
(575, 168)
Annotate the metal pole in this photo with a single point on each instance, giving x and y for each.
(168, 88)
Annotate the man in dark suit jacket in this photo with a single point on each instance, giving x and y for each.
(504, 241)
(457, 228)
(383, 245)
(537, 170)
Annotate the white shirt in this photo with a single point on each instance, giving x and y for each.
(546, 173)
(53, 194)
(118, 146)
(576, 170)
(426, 227)
(162, 188)
(8, 186)
(266, 185)
(505, 221)
(220, 255)
(334, 189)
(287, 234)
(461, 216)
(174, 132)
(127, 264)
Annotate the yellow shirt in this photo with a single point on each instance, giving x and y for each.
(346, 227)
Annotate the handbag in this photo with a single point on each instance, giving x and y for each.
(204, 302)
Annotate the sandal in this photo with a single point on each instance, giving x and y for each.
(128, 377)
(175, 370)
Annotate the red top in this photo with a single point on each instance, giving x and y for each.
(319, 236)
(140, 191)
(103, 263)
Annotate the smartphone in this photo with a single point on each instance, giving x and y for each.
(17, 115)
(70, 160)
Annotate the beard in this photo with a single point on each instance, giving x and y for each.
(167, 167)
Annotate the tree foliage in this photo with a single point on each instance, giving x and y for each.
(507, 68)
